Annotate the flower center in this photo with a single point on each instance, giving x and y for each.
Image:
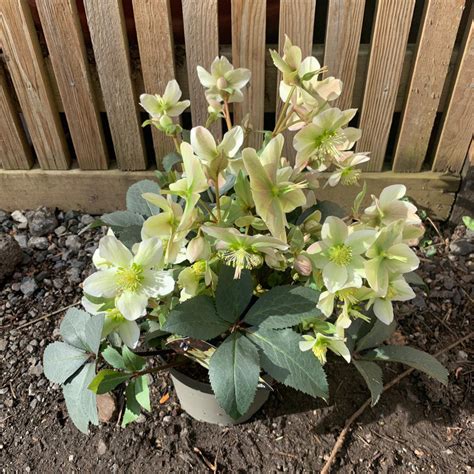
(340, 254)
(130, 279)
(240, 258)
(199, 267)
(221, 83)
(350, 176)
(319, 350)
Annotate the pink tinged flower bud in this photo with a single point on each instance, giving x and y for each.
(221, 83)
(303, 265)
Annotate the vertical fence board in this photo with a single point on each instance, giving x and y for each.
(342, 45)
(435, 45)
(25, 63)
(458, 120)
(62, 30)
(15, 153)
(200, 19)
(297, 22)
(388, 45)
(248, 50)
(109, 41)
(153, 24)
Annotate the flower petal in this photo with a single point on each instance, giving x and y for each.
(334, 230)
(149, 253)
(203, 143)
(129, 332)
(102, 283)
(232, 141)
(172, 93)
(383, 309)
(132, 305)
(334, 276)
(205, 78)
(238, 78)
(392, 193)
(157, 283)
(113, 251)
(151, 105)
(307, 345)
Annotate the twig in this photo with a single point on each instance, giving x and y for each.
(435, 228)
(342, 435)
(45, 316)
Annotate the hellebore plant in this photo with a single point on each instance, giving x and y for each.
(229, 260)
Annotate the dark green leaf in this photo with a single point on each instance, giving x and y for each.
(60, 361)
(233, 296)
(283, 306)
(170, 160)
(196, 318)
(132, 361)
(379, 333)
(135, 201)
(372, 375)
(142, 392)
(113, 357)
(121, 219)
(414, 279)
(413, 357)
(132, 408)
(281, 357)
(234, 371)
(106, 380)
(129, 236)
(80, 401)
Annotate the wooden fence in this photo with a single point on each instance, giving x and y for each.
(72, 73)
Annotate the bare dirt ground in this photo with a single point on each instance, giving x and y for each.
(418, 426)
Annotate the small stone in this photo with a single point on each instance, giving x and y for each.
(74, 275)
(22, 240)
(38, 243)
(36, 369)
(4, 216)
(42, 222)
(3, 344)
(101, 447)
(86, 219)
(461, 247)
(18, 216)
(167, 419)
(461, 355)
(60, 230)
(28, 286)
(58, 283)
(106, 407)
(71, 457)
(73, 242)
(10, 255)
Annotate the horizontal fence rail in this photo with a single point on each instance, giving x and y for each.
(72, 72)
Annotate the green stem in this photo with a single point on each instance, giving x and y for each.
(176, 144)
(218, 201)
(154, 370)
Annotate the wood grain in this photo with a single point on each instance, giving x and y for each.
(388, 45)
(78, 190)
(15, 153)
(62, 30)
(153, 25)
(202, 46)
(248, 50)
(438, 30)
(111, 51)
(297, 22)
(25, 63)
(464, 203)
(343, 32)
(458, 121)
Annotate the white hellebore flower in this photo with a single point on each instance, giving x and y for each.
(214, 156)
(224, 81)
(321, 343)
(168, 104)
(130, 279)
(339, 254)
(347, 173)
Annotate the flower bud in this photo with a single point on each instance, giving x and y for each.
(221, 83)
(303, 265)
(198, 249)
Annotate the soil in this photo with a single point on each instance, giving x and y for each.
(418, 426)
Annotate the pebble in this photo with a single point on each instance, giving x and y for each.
(42, 222)
(18, 216)
(3, 216)
(463, 355)
(74, 275)
(36, 369)
(167, 419)
(87, 219)
(39, 243)
(101, 447)
(461, 247)
(60, 230)
(3, 344)
(106, 407)
(22, 240)
(28, 286)
(10, 255)
(73, 242)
